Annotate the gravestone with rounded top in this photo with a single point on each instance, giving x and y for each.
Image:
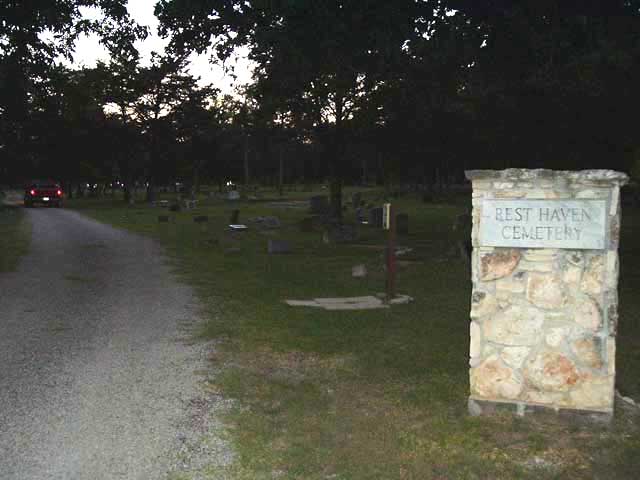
(544, 307)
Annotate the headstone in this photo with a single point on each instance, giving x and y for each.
(175, 207)
(359, 271)
(201, 219)
(233, 195)
(375, 217)
(275, 246)
(235, 217)
(360, 216)
(163, 218)
(544, 306)
(319, 204)
(402, 224)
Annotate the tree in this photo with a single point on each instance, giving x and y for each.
(67, 121)
(551, 84)
(32, 36)
(120, 86)
(315, 60)
(198, 122)
(163, 86)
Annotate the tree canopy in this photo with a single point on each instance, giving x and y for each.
(347, 90)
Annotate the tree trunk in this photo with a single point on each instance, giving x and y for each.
(281, 178)
(195, 182)
(336, 198)
(129, 192)
(364, 171)
(246, 161)
(151, 191)
(337, 153)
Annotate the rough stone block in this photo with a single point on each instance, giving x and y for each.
(551, 371)
(498, 264)
(503, 185)
(588, 351)
(510, 285)
(527, 266)
(475, 346)
(493, 379)
(516, 325)
(572, 276)
(508, 194)
(546, 291)
(482, 304)
(594, 392)
(515, 356)
(593, 193)
(592, 280)
(587, 314)
(556, 335)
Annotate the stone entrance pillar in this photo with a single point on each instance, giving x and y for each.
(545, 300)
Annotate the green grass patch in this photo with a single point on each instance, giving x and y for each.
(370, 394)
(15, 237)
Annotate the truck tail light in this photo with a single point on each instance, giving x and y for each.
(59, 192)
(32, 192)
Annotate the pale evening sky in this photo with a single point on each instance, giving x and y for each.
(88, 50)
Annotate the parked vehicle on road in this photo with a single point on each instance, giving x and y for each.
(44, 193)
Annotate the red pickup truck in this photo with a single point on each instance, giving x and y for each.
(43, 193)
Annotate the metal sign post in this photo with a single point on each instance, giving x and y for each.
(389, 224)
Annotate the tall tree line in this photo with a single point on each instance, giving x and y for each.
(345, 90)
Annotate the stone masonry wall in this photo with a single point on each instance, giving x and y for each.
(543, 320)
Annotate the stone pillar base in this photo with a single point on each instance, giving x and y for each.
(544, 306)
(479, 407)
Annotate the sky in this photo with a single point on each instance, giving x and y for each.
(88, 50)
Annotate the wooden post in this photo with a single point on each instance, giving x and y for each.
(391, 252)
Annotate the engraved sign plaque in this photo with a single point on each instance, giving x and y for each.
(571, 224)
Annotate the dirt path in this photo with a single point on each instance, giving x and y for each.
(96, 380)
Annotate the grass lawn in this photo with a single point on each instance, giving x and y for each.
(377, 394)
(15, 236)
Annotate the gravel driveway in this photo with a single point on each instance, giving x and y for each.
(97, 380)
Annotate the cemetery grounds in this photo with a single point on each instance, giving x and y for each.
(373, 394)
